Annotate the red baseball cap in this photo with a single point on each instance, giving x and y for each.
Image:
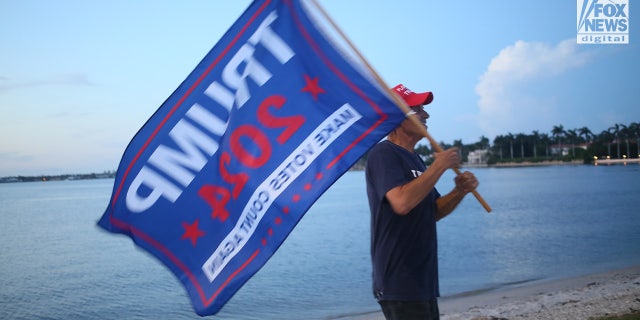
(412, 98)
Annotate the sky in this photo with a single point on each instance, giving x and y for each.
(79, 78)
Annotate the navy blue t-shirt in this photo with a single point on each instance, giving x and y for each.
(404, 249)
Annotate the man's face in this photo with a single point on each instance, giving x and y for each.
(421, 115)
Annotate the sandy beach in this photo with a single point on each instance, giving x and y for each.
(609, 293)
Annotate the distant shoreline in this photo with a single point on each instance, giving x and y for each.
(59, 177)
(606, 162)
(357, 167)
(519, 164)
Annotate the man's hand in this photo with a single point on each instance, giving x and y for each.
(466, 182)
(448, 159)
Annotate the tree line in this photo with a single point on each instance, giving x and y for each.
(617, 142)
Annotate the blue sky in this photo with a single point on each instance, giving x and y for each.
(79, 78)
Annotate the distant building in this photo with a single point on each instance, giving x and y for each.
(478, 157)
(563, 149)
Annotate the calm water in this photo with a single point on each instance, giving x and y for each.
(547, 222)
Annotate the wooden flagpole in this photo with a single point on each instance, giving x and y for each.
(399, 102)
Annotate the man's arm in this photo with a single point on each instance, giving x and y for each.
(405, 197)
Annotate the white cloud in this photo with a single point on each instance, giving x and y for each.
(504, 101)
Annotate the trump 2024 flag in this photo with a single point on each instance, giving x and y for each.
(218, 177)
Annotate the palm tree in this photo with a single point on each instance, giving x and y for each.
(510, 138)
(498, 142)
(607, 137)
(458, 144)
(484, 143)
(572, 135)
(536, 136)
(558, 132)
(521, 137)
(634, 130)
(615, 131)
(546, 140)
(626, 134)
(586, 133)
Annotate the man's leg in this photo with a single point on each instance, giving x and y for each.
(410, 310)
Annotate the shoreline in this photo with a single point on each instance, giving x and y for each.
(609, 293)
(520, 164)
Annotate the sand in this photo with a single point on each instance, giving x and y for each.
(597, 295)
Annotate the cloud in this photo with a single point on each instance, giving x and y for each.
(68, 79)
(505, 102)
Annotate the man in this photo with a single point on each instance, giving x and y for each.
(405, 206)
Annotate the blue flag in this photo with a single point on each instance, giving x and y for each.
(222, 172)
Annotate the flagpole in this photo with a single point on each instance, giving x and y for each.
(399, 102)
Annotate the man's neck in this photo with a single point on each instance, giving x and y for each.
(404, 142)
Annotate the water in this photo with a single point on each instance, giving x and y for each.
(548, 222)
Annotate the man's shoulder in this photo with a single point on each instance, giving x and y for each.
(382, 151)
(382, 146)
(383, 156)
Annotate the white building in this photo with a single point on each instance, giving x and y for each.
(478, 157)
